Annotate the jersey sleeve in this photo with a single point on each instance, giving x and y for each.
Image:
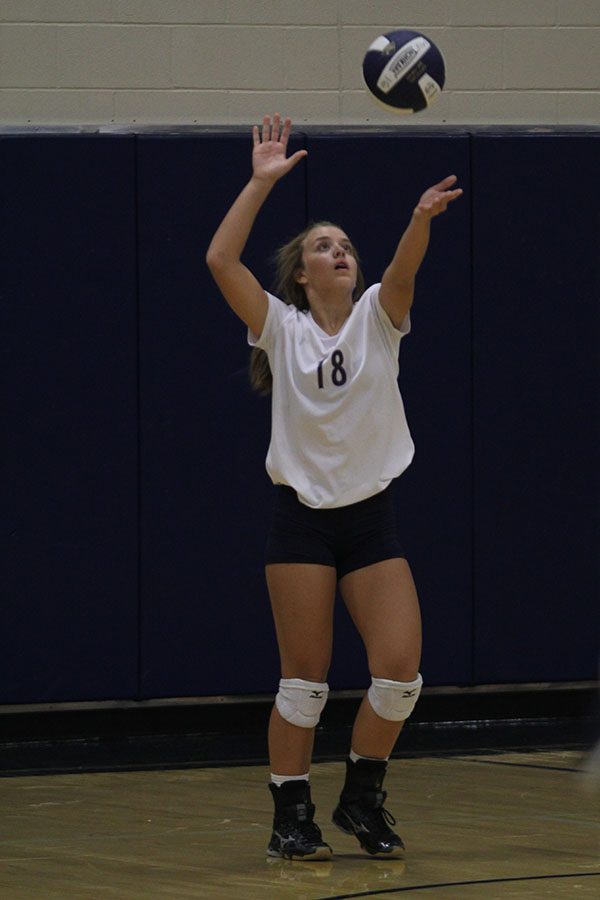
(389, 334)
(396, 333)
(277, 312)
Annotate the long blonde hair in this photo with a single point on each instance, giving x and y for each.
(288, 260)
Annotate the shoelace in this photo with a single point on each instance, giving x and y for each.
(387, 816)
(379, 820)
(307, 832)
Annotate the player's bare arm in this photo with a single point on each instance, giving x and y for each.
(398, 282)
(237, 283)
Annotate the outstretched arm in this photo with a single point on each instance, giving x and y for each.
(236, 282)
(398, 281)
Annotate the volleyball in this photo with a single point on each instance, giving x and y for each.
(404, 70)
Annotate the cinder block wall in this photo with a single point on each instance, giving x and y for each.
(77, 62)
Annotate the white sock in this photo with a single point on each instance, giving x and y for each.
(356, 756)
(281, 779)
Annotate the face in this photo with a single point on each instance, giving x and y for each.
(328, 261)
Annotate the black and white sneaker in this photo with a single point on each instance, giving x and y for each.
(367, 819)
(295, 834)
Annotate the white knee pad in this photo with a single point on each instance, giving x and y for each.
(301, 702)
(394, 700)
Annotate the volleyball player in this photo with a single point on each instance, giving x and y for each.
(328, 350)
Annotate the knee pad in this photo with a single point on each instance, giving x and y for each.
(301, 702)
(394, 700)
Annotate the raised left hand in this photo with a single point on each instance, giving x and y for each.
(436, 199)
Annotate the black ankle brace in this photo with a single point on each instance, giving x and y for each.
(290, 793)
(364, 776)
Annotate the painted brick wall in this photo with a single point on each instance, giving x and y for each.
(78, 62)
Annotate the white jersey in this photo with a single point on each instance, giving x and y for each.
(339, 433)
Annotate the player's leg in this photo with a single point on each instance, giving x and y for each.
(382, 600)
(383, 603)
(302, 598)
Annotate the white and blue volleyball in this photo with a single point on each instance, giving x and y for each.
(404, 70)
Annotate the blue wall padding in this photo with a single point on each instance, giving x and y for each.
(69, 609)
(135, 501)
(535, 253)
(370, 187)
(206, 622)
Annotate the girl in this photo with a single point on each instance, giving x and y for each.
(329, 350)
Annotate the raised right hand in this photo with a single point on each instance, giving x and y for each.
(269, 160)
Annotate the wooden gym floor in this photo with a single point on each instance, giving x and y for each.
(491, 825)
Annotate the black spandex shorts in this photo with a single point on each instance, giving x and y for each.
(347, 537)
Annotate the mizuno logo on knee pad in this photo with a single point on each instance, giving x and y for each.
(301, 702)
(394, 700)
